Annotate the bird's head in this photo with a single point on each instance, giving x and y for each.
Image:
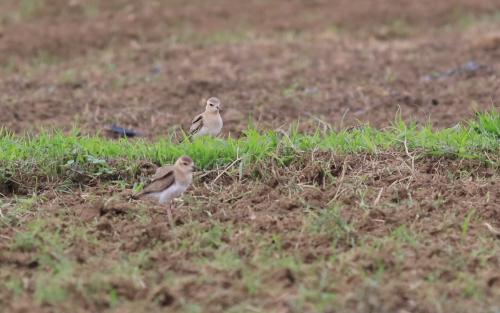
(185, 164)
(213, 105)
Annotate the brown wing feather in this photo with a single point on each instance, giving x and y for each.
(162, 171)
(196, 124)
(162, 179)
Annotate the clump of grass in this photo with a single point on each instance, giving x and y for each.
(29, 239)
(15, 285)
(466, 223)
(50, 287)
(16, 210)
(187, 35)
(405, 235)
(397, 28)
(29, 8)
(329, 221)
(251, 281)
(487, 124)
(314, 300)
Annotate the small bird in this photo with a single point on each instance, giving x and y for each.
(208, 122)
(170, 182)
(118, 132)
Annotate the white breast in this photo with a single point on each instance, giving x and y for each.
(218, 126)
(202, 132)
(172, 192)
(212, 126)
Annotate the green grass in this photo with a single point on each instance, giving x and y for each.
(397, 28)
(466, 223)
(465, 20)
(487, 123)
(53, 156)
(329, 221)
(186, 34)
(29, 8)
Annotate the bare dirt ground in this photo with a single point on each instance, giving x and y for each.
(387, 244)
(329, 233)
(149, 65)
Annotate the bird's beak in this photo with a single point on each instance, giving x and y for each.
(219, 108)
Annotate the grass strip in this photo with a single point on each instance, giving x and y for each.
(52, 155)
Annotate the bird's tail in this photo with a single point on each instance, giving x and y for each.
(179, 136)
(138, 195)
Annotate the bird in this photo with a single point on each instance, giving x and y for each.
(118, 132)
(170, 182)
(209, 122)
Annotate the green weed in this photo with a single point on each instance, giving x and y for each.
(50, 287)
(329, 221)
(29, 8)
(227, 260)
(29, 239)
(466, 223)
(398, 28)
(405, 235)
(15, 285)
(469, 286)
(188, 35)
(487, 124)
(16, 211)
(321, 300)
(192, 308)
(251, 281)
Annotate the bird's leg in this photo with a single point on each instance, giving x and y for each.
(169, 214)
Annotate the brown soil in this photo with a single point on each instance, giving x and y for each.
(328, 233)
(149, 66)
(374, 264)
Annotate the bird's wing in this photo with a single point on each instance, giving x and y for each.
(196, 124)
(162, 179)
(162, 172)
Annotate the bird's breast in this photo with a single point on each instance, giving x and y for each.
(177, 189)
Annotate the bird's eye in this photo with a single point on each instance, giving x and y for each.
(211, 104)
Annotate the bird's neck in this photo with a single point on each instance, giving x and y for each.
(182, 178)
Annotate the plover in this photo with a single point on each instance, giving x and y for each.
(170, 182)
(209, 122)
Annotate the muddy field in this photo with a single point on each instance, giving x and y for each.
(390, 232)
(150, 65)
(388, 244)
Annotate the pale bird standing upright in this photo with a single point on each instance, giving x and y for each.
(170, 182)
(208, 122)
